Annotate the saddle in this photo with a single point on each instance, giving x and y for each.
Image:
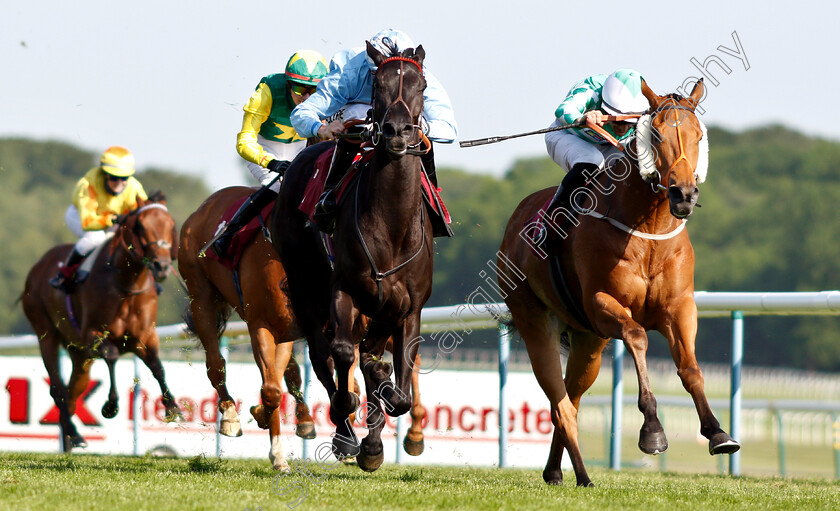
(244, 235)
(553, 243)
(438, 213)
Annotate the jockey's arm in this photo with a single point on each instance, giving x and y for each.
(256, 112)
(438, 113)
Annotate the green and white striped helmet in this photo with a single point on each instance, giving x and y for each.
(306, 67)
(622, 94)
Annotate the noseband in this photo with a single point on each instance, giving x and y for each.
(377, 128)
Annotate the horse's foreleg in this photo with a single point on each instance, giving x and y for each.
(344, 315)
(372, 454)
(397, 396)
(148, 349)
(616, 322)
(110, 354)
(271, 360)
(305, 424)
(681, 332)
(413, 442)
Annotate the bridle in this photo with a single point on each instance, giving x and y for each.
(377, 128)
(131, 249)
(656, 185)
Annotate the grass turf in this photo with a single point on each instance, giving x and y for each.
(65, 482)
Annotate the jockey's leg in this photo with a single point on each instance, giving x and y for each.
(67, 270)
(327, 206)
(428, 161)
(574, 179)
(246, 212)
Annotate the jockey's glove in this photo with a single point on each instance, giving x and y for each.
(278, 166)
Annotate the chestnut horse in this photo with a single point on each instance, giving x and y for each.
(629, 274)
(383, 261)
(113, 312)
(262, 305)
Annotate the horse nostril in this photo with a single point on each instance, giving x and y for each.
(388, 130)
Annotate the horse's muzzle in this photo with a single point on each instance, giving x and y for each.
(160, 269)
(682, 200)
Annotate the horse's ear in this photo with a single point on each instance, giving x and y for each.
(651, 96)
(419, 54)
(697, 93)
(374, 54)
(173, 250)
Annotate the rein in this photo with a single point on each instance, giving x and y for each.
(377, 275)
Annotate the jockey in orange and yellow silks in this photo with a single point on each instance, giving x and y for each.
(100, 196)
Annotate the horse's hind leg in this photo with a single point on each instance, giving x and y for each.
(681, 336)
(615, 322)
(49, 345)
(376, 372)
(305, 424)
(205, 322)
(537, 328)
(413, 442)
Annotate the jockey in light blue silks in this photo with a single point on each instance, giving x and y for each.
(345, 94)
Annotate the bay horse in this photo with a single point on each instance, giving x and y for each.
(262, 304)
(382, 273)
(114, 311)
(629, 274)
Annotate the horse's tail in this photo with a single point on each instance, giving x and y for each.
(221, 320)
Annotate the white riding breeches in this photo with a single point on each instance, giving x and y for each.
(88, 240)
(567, 149)
(282, 152)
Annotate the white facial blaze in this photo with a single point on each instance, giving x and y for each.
(646, 153)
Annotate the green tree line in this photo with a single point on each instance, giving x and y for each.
(767, 224)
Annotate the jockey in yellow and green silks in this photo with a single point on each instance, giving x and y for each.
(104, 192)
(267, 141)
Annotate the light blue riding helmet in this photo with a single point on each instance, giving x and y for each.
(389, 42)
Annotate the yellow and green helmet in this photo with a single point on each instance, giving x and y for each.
(117, 161)
(306, 67)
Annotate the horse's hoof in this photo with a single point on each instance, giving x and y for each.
(553, 477)
(258, 412)
(586, 483)
(413, 448)
(345, 406)
(653, 443)
(230, 428)
(342, 448)
(173, 415)
(305, 430)
(722, 443)
(282, 466)
(369, 463)
(73, 441)
(110, 409)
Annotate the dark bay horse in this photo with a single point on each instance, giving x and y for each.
(263, 305)
(383, 261)
(624, 283)
(113, 312)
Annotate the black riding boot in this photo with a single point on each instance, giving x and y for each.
(65, 273)
(327, 206)
(428, 161)
(573, 180)
(246, 212)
